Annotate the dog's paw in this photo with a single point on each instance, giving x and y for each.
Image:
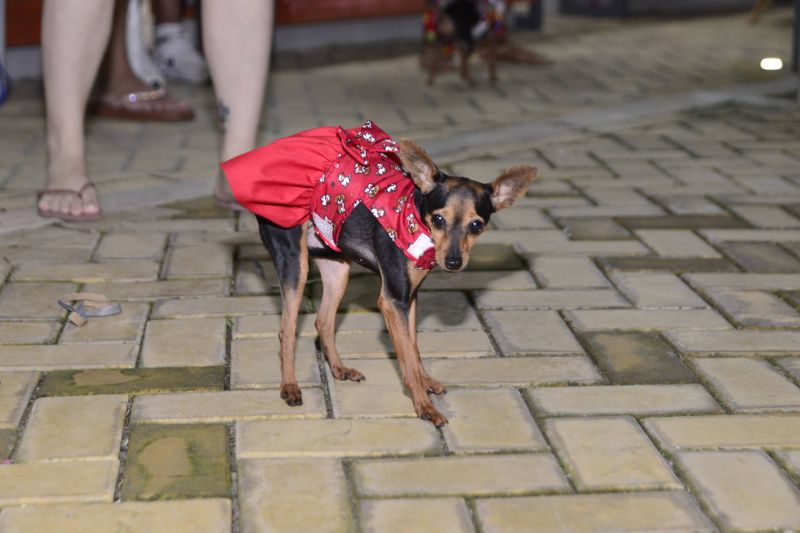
(432, 415)
(343, 373)
(292, 394)
(436, 387)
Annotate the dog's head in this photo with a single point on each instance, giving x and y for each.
(457, 209)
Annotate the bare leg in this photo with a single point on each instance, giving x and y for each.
(118, 81)
(237, 37)
(74, 36)
(334, 283)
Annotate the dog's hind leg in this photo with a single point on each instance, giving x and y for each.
(289, 253)
(334, 283)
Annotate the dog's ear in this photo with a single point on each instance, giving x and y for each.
(418, 164)
(510, 185)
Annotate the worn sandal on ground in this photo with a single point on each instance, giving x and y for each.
(89, 304)
(67, 216)
(144, 106)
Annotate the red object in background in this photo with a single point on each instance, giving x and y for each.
(23, 22)
(298, 11)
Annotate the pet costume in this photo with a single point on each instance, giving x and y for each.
(323, 174)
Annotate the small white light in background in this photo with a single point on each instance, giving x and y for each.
(771, 63)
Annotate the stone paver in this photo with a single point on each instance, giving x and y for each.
(189, 516)
(84, 427)
(622, 399)
(744, 490)
(664, 511)
(447, 515)
(609, 454)
(622, 352)
(468, 475)
(293, 494)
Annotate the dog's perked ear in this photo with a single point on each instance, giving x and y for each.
(510, 185)
(419, 164)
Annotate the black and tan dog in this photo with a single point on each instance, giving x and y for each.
(455, 209)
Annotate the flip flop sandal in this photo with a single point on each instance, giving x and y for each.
(95, 305)
(66, 216)
(139, 106)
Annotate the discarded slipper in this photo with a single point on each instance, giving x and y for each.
(89, 304)
(144, 106)
(67, 216)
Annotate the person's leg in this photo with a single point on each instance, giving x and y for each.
(237, 37)
(74, 36)
(122, 94)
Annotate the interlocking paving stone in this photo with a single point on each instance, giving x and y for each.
(766, 216)
(200, 260)
(260, 326)
(749, 281)
(609, 454)
(583, 248)
(657, 290)
(657, 511)
(217, 306)
(521, 218)
(117, 271)
(761, 257)
(293, 495)
(33, 300)
(15, 391)
(127, 326)
(726, 431)
(131, 380)
(791, 365)
(68, 481)
(594, 229)
(751, 235)
(791, 460)
(80, 427)
(28, 332)
(514, 371)
(676, 243)
(256, 364)
(646, 320)
(224, 406)
(488, 420)
(555, 299)
(191, 516)
(157, 290)
(754, 308)
(8, 437)
(52, 357)
(682, 222)
(749, 384)
(444, 515)
(567, 273)
(736, 342)
(366, 400)
(634, 357)
(531, 332)
(744, 490)
(483, 279)
(184, 342)
(494, 256)
(669, 264)
(466, 475)
(131, 246)
(458, 343)
(176, 462)
(622, 399)
(335, 438)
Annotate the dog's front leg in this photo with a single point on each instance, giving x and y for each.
(397, 314)
(431, 385)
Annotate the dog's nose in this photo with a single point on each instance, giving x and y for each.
(452, 263)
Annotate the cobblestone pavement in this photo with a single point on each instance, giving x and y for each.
(622, 355)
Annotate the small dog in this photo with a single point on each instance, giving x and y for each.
(341, 196)
(462, 24)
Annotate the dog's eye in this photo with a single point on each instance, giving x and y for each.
(437, 221)
(475, 227)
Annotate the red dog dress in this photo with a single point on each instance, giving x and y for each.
(323, 174)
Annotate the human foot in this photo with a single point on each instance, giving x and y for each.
(142, 105)
(69, 204)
